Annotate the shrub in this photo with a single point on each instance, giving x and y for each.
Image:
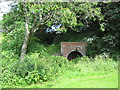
(35, 68)
(40, 66)
(13, 40)
(100, 63)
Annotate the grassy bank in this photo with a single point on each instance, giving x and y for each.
(86, 73)
(75, 80)
(41, 69)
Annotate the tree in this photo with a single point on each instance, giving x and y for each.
(42, 16)
(111, 23)
(38, 14)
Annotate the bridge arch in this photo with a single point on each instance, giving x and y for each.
(74, 54)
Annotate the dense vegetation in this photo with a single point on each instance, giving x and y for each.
(95, 23)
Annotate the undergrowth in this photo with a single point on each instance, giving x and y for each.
(40, 64)
(40, 67)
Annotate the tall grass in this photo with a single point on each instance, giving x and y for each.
(41, 66)
(38, 68)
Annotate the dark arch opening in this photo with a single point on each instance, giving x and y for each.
(74, 55)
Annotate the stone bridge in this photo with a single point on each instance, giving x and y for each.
(71, 50)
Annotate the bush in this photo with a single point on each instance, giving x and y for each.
(100, 63)
(35, 68)
(14, 39)
(40, 68)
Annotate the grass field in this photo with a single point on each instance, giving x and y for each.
(91, 80)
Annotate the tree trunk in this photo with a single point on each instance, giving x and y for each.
(26, 40)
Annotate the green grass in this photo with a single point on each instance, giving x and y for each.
(97, 72)
(94, 81)
(80, 80)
